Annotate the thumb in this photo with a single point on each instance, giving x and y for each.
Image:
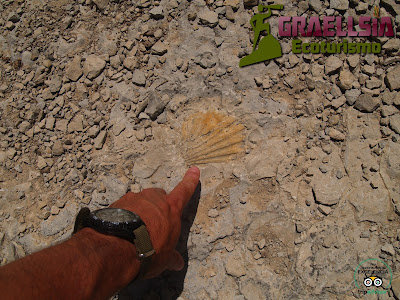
(176, 262)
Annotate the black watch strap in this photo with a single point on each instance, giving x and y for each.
(144, 249)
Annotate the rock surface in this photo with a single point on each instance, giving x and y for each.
(93, 66)
(300, 164)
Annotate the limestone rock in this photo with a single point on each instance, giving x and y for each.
(366, 103)
(93, 131)
(338, 102)
(392, 78)
(101, 4)
(336, 135)
(395, 123)
(41, 163)
(50, 122)
(139, 78)
(396, 287)
(58, 148)
(346, 79)
(250, 3)
(130, 63)
(213, 213)
(388, 248)
(234, 266)
(332, 65)
(125, 91)
(208, 18)
(232, 3)
(73, 70)
(148, 164)
(93, 66)
(328, 190)
(159, 48)
(339, 4)
(99, 140)
(253, 291)
(371, 205)
(316, 5)
(59, 222)
(156, 105)
(352, 96)
(391, 45)
(157, 13)
(118, 126)
(76, 124)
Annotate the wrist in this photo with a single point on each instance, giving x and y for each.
(114, 257)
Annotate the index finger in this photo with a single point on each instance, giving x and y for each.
(182, 193)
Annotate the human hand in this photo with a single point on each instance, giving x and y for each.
(161, 212)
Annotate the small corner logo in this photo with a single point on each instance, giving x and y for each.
(373, 276)
(372, 281)
(268, 47)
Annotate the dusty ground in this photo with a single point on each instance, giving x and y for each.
(93, 95)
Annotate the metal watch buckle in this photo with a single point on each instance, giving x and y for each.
(147, 254)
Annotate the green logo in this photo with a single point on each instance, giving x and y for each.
(373, 276)
(268, 47)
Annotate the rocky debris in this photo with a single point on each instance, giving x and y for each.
(392, 78)
(332, 65)
(328, 190)
(388, 248)
(370, 204)
(129, 62)
(60, 221)
(346, 79)
(99, 140)
(156, 105)
(145, 166)
(73, 70)
(391, 45)
(395, 123)
(157, 13)
(213, 213)
(139, 78)
(101, 4)
(352, 96)
(336, 135)
(208, 18)
(234, 267)
(93, 66)
(366, 103)
(396, 287)
(338, 102)
(250, 3)
(339, 4)
(58, 148)
(94, 103)
(159, 48)
(76, 124)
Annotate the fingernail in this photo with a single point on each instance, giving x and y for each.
(194, 169)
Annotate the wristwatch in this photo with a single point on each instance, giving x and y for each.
(123, 224)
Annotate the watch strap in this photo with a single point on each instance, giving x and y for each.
(144, 249)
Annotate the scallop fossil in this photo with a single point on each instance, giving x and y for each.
(211, 137)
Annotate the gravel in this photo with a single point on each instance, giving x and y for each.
(94, 98)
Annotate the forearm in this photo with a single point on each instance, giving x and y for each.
(89, 265)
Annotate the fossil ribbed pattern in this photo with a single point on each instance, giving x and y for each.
(211, 137)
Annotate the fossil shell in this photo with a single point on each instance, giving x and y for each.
(211, 137)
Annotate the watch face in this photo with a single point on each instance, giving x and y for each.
(115, 215)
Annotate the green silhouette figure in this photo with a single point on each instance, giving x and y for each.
(269, 47)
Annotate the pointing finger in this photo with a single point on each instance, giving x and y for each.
(182, 193)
